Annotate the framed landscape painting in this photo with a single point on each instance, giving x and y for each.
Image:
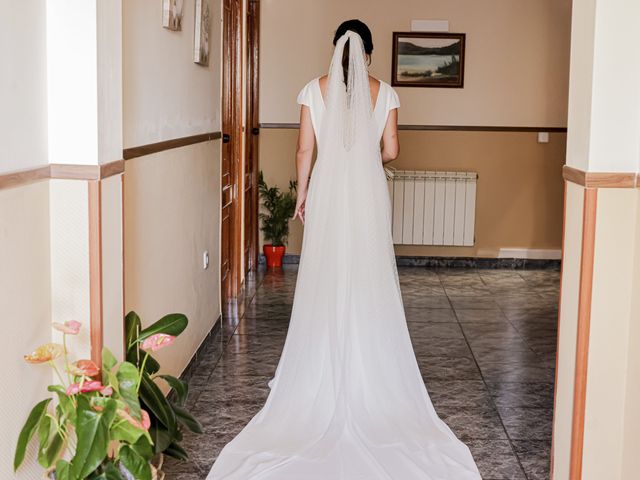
(428, 59)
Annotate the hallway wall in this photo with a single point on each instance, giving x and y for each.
(516, 75)
(25, 288)
(172, 216)
(520, 188)
(171, 198)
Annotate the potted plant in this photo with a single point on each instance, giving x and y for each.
(101, 428)
(168, 416)
(279, 207)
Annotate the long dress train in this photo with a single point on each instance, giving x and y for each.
(347, 401)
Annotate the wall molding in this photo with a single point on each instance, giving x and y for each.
(61, 171)
(444, 128)
(601, 179)
(96, 307)
(142, 150)
(583, 332)
(21, 177)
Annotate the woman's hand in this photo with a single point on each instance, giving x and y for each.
(299, 211)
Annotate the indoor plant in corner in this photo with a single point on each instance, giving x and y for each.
(279, 207)
(102, 426)
(168, 416)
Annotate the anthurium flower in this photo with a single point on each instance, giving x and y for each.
(71, 327)
(84, 367)
(143, 424)
(157, 341)
(107, 391)
(44, 353)
(85, 387)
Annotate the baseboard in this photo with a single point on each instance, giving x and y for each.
(212, 336)
(530, 253)
(460, 262)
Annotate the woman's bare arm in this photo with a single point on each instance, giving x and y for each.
(304, 156)
(390, 143)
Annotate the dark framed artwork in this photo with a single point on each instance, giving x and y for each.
(428, 59)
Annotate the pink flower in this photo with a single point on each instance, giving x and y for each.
(107, 391)
(84, 367)
(86, 387)
(71, 327)
(142, 424)
(44, 353)
(157, 341)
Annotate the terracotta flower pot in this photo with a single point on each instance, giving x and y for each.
(273, 255)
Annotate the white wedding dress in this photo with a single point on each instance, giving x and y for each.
(347, 401)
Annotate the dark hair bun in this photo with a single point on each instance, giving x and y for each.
(358, 27)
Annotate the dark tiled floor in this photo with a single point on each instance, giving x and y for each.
(485, 342)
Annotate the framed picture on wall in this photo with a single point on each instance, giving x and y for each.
(428, 59)
(202, 32)
(172, 14)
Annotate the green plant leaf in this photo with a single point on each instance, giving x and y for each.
(112, 473)
(151, 367)
(92, 431)
(176, 451)
(51, 443)
(137, 465)
(157, 404)
(161, 438)
(108, 360)
(63, 470)
(132, 326)
(125, 432)
(185, 418)
(180, 387)
(143, 447)
(172, 324)
(33, 421)
(65, 404)
(127, 376)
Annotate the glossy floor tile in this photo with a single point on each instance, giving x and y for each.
(484, 340)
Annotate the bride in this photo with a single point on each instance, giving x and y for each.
(347, 401)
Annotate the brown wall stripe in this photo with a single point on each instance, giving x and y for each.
(601, 179)
(61, 171)
(446, 128)
(143, 150)
(21, 177)
(95, 270)
(584, 327)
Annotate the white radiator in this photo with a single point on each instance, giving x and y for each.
(433, 208)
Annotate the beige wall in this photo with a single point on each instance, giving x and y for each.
(172, 216)
(520, 187)
(567, 330)
(612, 359)
(172, 199)
(631, 438)
(25, 298)
(517, 58)
(516, 74)
(167, 95)
(23, 86)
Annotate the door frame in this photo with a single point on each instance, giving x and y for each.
(252, 141)
(232, 81)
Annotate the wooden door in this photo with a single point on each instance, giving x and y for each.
(230, 245)
(251, 166)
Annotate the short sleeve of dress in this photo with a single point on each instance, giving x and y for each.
(304, 97)
(393, 101)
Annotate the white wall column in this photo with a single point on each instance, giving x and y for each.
(84, 100)
(597, 417)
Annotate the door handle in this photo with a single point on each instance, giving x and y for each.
(255, 131)
(226, 138)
